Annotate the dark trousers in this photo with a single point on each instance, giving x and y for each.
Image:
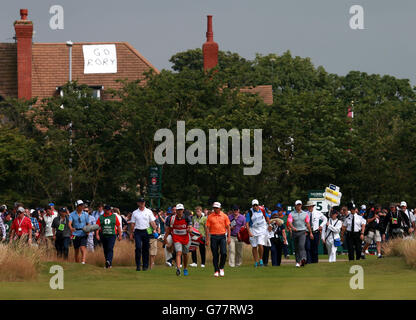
(218, 242)
(201, 252)
(345, 242)
(354, 244)
(141, 240)
(276, 251)
(266, 253)
(62, 247)
(285, 250)
(108, 246)
(311, 247)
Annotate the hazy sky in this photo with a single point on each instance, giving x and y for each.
(318, 29)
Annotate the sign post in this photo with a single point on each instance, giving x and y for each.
(317, 197)
(155, 184)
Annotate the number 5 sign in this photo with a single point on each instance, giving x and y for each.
(316, 196)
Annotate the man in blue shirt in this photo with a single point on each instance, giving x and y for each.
(77, 220)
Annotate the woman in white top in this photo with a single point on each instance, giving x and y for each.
(330, 235)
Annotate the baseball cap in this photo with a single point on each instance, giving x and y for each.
(51, 204)
(298, 202)
(20, 209)
(309, 204)
(216, 205)
(235, 207)
(63, 209)
(3, 206)
(180, 206)
(363, 207)
(140, 200)
(279, 205)
(107, 207)
(255, 201)
(403, 204)
(78, 203)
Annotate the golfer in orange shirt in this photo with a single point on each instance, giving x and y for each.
(218, 226)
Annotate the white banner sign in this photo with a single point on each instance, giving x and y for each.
(100, 58)
(332, 195)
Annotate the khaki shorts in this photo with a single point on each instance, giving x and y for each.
(372, 236)
(181, 247)
(153, 247)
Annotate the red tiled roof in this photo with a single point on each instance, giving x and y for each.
(50, 67)
(264, 91)
(8, 69)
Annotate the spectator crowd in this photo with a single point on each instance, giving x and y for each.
(271, 234)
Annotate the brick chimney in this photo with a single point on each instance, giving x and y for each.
(210, 48)
(24, 32)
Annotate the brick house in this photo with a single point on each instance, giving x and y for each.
(30, 69)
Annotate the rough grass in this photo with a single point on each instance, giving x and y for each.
(405, 248)
(19, 262)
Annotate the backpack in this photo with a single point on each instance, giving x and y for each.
(196, 239)
(243, 235)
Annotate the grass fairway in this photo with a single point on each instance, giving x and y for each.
(388, 278)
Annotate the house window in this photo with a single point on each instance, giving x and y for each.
(96, 91)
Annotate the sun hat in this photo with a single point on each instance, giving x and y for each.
(309, 204)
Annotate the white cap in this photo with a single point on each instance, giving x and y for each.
(363, 207)
(216, 205)
(298, 202)
(180, 206)
(403, 203)
(255, 201)
(32, 210)
(78, 202)
(20, 209)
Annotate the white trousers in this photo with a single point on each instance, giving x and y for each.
(168, 255)
(332, 251)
